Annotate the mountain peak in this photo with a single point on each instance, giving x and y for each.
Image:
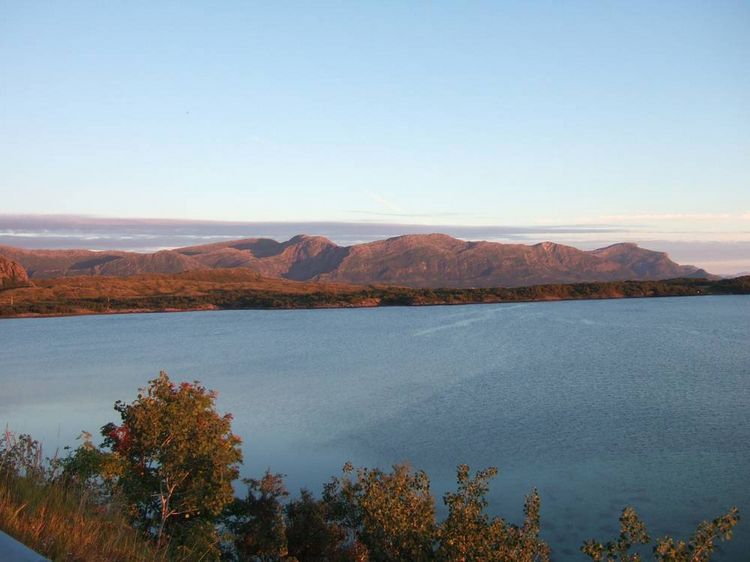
(300, 238)
(621, 245)
(414, 260)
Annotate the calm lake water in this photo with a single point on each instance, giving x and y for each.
(597, 404)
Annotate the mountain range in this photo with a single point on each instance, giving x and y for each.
(419, 260)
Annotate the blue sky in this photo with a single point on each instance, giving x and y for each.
(457, 113)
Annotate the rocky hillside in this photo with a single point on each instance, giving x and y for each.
(433, 260)
(12, 274)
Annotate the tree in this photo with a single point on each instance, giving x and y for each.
(392, 514)
(633, 531)
(311, 536)
(257, 522)
(469, 533)
(175, 457)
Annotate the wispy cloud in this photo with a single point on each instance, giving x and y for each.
(656, 217)
(406, 215)
(385, 203)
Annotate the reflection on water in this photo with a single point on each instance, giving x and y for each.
(597, 404)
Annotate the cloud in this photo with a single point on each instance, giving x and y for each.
(380, 200)
(657, 217)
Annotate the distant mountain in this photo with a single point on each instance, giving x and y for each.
(12, 274)
(419, 260)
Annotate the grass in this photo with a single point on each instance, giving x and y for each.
(64, 524)
(60, 519)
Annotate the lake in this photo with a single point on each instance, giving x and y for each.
(598, 404)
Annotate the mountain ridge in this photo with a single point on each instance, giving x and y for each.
(411, 260)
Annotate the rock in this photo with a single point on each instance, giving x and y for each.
(12, 274)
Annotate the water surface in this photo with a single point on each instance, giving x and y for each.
(598, 404)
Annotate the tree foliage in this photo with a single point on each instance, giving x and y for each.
(382, 516)
(173, 456)
(470, 534)
(633, 532)
(311, 532)
(392, 514)
(257, 521)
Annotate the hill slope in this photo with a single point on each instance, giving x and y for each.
(432, 260)
(12, 274)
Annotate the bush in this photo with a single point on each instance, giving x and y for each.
(392, 514)
(633, 532)
(173, 458)
(257, 521)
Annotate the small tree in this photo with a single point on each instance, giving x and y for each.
(392, 514)
(470, 534)
(256, 522)
(175, 457)
(633, 532)
(311, 536)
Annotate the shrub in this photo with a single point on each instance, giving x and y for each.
(633, 532)
(173, 457)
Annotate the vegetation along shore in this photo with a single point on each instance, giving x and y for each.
(246, 289)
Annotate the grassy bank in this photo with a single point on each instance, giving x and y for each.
(61, 520)
(244, 289)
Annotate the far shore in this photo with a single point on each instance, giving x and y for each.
(77, 296)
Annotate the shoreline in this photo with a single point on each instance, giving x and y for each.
(215, 308)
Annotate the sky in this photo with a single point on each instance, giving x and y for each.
(628, 115)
